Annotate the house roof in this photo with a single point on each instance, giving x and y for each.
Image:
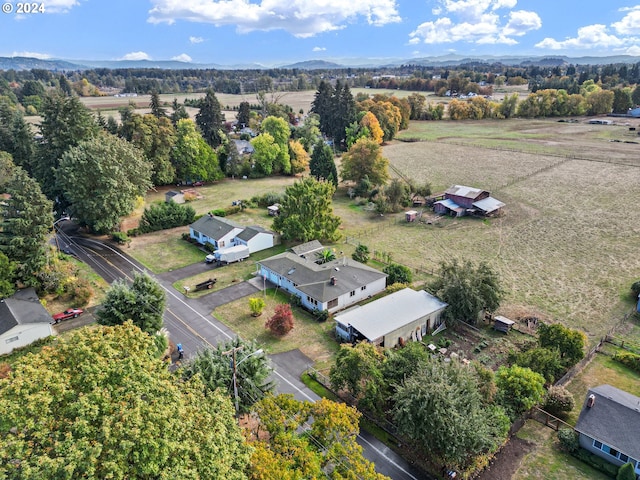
(243, 146)
(379, 318)
(250, 232)
(172, 193)
(614, 419)
(314, 280)
(21, 308)
(214, 227)
(308, 247)
(463, 191)
(504, 320)
(488, 204)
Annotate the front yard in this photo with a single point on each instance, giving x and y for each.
(313, 338)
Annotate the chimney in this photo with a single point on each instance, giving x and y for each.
(591, 400)
(333, 281)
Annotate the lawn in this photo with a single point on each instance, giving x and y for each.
(227, 275)
(314, 339)
(164, 250)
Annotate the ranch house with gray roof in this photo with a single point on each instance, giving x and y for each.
(609, 425)
(331, 286)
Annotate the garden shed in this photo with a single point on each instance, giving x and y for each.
(502, 324)
(411, 215)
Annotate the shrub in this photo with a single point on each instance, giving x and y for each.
(626, 472)
(267, 199)
(231, 210)
(394, 287)
(133, 232)
(320, 315)
(635, 289)
(219, 212)
(568, 440)
(81, 291)
(120, 238)
(558, 401)
(361, 254)
(398, 274)
(166, 215)
(596, 462)
(282, 321)
(628, 359)
(186, 237)
(256, 305)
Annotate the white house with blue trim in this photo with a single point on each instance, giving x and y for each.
(331, 286)
(222, 233)
(609, 425)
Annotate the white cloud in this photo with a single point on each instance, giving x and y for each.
(633, 50)
(183, 57)
(196, 39)
(41, 56)
(136, 56)
(319, 49)
(476, 21)
(630, 23)
(591, 36)
(302, 18)
(59, 6)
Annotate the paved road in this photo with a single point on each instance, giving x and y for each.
(190, 322)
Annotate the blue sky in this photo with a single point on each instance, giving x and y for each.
(274, 32)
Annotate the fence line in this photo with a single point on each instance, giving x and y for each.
(547, 419)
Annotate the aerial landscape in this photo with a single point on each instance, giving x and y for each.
(258, 240)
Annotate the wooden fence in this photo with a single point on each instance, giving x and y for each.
(549, 420)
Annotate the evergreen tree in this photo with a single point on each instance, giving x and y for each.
(210, 119)
(244, 114)
(157, 110)
(322, 105)
(26, 220)
(16, 136)
(178, 113)
(322, 165)
(142, 302)
(344, 107)
(65, 123)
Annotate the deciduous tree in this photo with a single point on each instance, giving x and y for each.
(570, 343)
(519, 389)
(279, 129)
(141, 302)
(306, 213)
(365, 158)
(467, 289)
(281, 322)
(102, 178)
(193, 158)
(265, 153)
(299, 157)
(111, 409)
(440, 408)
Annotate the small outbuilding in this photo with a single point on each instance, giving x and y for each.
(173, 196)
(411, 215)
(502, 324)
(274, 209)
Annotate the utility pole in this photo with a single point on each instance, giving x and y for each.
(234, 366)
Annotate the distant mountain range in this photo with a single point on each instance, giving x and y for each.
(28, 63)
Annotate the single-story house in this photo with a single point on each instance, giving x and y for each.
(609, 425)
(460, 200)
(330, 286)
(256, 238)
(173, 196)
(217, 231)
(397, 318)
(244, 147)
(308, 249)
(23, 320)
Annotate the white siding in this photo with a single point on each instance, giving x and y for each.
(26, 334)
(261, 241)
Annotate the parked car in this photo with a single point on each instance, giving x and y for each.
(67, 314)
(199, 183)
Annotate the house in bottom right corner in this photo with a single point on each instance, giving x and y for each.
(609, 425)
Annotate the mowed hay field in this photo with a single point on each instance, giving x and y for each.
(567, 245)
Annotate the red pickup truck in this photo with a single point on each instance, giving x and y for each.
(69, 313)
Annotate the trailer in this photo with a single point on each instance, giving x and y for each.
(206, 285)
(236, 253)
